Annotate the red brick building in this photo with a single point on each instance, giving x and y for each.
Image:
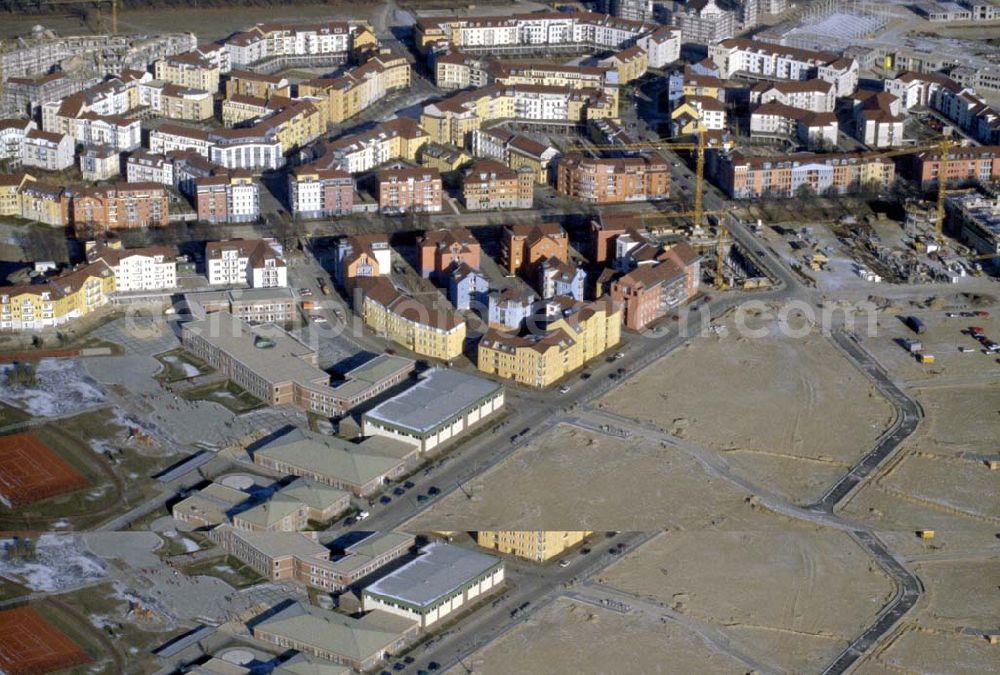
(122, 206)
(442, 250)
(525, 246)
(651, 290)
(979, 163)
(614, 179)
(410, 189)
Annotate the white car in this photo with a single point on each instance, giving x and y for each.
(362, 515)
(564, 389)
(318, 318)
(564, 563)
(966, 350)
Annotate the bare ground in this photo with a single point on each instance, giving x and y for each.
(790, 413)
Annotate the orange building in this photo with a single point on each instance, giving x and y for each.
(652, 289)
(525, 246)
(980, 163)
(442, 250)
(488, 184)
(410, 189)
(121, 206)
(613, 180)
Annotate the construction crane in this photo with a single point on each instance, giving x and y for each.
(698, 213)
(97, 3)
(943, 148)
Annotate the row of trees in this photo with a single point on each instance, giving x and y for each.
(20, 548)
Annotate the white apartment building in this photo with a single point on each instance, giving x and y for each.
(171, 137)
(49, 151)
(919, 89)
(149, 167)
(121, 133)
(777, 120)
(663, 46)
(255, 262)
(251, 151)
(771, 61)
(141, 269)
(814, 95)
(12, 135)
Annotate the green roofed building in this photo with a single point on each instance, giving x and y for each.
(361, 644)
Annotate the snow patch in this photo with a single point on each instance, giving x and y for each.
(62, 386)
(61, 562)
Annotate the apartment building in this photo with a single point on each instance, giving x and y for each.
(148, 167)
(537, 546)
(629, 64)
(190, 70)
(510, 307)
(515, 150)
(362, 256)
(919, 89)
(454, 119)
(360, 88)
(27, 95)
(441, 251)
(444, 158)
(456, 70)
(573, 333)
(437, 584)
(176, 102)
(253, 305)
(255, 262)
(409, 190)
(964, 165)
(45, 203)
(655, 287)
(255, 149)
(443, 405)
(613, 180)
(175, 137)
(110, 98)
(151, 268)
(636, 10)
(812, 129)
(468, 288)
(239, 109)
(685, 82)
(745, 177)
(241, 82)
(814, 95)
(537, 32)
(525, 246)
(771, 61)
(329, 41)
(976, 218)
(399, 139)
(704, 22)
(970, 113)
(123, 206)
(662, 46)
(11, 188)
(121, 133)
(48, 151)
(227, 198)
(12, 137)
(427, 331)
(100, 162)
(556, 277)
(488, 185)
(60, 298)
(877, 119)
(692, 113)
(320, 193)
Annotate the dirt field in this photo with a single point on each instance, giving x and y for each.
(796, 413)
(575, 479)
(923, 651)
(793, 598)
(942, 339)
(572, 637)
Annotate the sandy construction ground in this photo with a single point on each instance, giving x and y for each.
(575, 479)
(932, 652)
(572, 637)
(793, 599)
(942, 338)
(790, 413)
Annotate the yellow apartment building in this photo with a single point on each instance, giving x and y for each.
(58, 300)
(583, 332)
(630, 64)
(438, 334)
(10, 192)
(189, 70)
(538, 546)
(358, 89)
(257, 85)
(240, 108)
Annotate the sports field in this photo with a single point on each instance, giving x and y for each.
(31, 471)
(29, 644)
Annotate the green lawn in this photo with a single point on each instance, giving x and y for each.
(226, 394)
(225, 567)
(173, 366)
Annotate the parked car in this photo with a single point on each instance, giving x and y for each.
(408, 485)
(966, 350)
(433, 491)
(564, 563)
(305, 292)
(362, 515)
(384, 499)
(317, 318)
(564, 389)
(399, 491)
(422, 498)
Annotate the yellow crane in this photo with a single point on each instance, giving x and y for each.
(943, 148)
(698, 213)
(98, 3)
